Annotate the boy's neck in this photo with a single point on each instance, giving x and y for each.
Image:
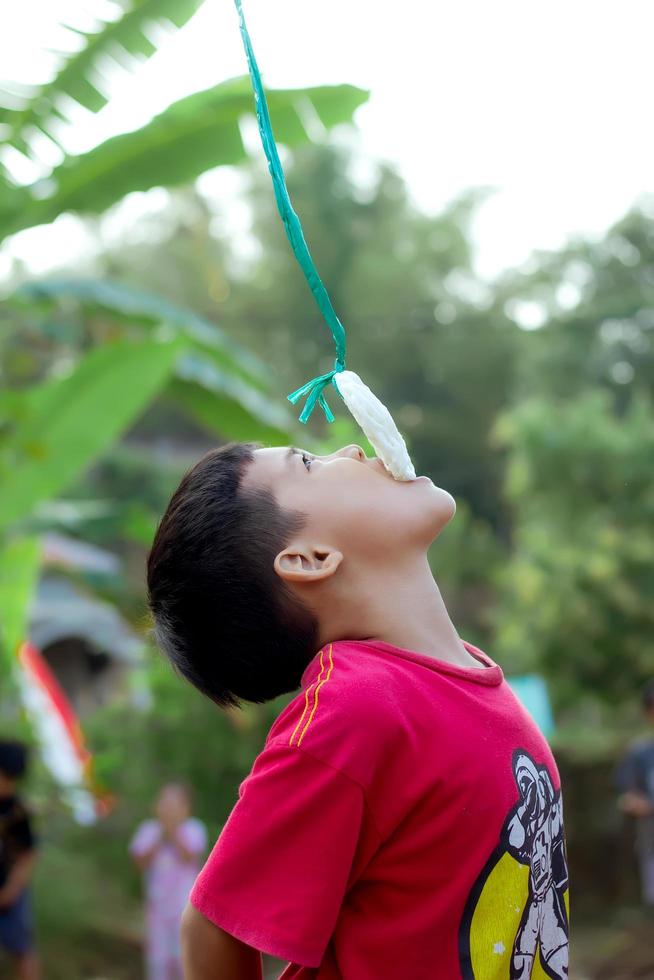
(7, 787)
(403, 606)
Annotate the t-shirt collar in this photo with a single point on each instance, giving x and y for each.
(490, 675)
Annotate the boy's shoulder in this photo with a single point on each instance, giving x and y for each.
(344, 681)
(344, 714)
(355, 666)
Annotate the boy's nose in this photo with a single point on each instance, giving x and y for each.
(353, 452)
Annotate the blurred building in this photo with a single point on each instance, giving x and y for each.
(86, 642)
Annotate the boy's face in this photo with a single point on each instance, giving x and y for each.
(351, 502)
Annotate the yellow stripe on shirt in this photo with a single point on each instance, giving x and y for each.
(306, 698)
(315, 697)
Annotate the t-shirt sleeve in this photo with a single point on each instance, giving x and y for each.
(278, 873)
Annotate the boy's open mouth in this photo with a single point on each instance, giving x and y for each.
(377, 463)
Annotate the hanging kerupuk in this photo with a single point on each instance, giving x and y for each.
(373, 417)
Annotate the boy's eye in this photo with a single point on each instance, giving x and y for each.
(306, 460)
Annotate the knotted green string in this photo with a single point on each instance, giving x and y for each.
(314, 389)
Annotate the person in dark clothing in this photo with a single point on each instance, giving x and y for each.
(17, 858)
(635, 781)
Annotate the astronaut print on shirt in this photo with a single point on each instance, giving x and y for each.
(515, 925)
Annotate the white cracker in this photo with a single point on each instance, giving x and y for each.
(377, 423)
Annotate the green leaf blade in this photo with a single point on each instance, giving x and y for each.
(195, 134)
(74, 419)
(20, 560)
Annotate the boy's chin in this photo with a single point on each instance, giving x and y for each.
(442, 511)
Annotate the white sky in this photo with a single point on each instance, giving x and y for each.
(549, 103)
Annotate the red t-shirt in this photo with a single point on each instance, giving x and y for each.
(403, 821)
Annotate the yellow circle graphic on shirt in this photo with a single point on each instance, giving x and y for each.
(515, 923)
(496, 919)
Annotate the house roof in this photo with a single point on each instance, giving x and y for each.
(62, 610)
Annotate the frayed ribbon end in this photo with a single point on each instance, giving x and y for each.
(315, 390)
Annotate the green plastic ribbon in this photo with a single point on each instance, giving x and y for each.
(314, 389)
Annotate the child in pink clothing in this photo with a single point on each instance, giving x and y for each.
(168, 850)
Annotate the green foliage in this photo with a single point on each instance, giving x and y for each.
(216, 382)
(19, 568)
(62, 424)
(131, 307)
(579, 444)
(89, 919)
(576, 592)
(221, 404)
(191, 136)
(137, 752)
(94, 917)
(466, 560)
(124, 39)
(598, 301)
(51, 431)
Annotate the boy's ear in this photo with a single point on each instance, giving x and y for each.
(306, 565)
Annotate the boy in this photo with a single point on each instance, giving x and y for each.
(635, 780)
(17, 857)
(167, 850)
(404, 818)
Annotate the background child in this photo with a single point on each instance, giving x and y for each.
(17, 857)
(635, 780)
(404, 819)
(168, 851)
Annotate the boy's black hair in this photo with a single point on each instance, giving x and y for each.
(222, 616)
(648, 696)
(13, 758)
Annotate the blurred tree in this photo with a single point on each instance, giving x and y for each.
(125, 39)
(65, 401)
(576, 599)
(187, 138)
(595, 300)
